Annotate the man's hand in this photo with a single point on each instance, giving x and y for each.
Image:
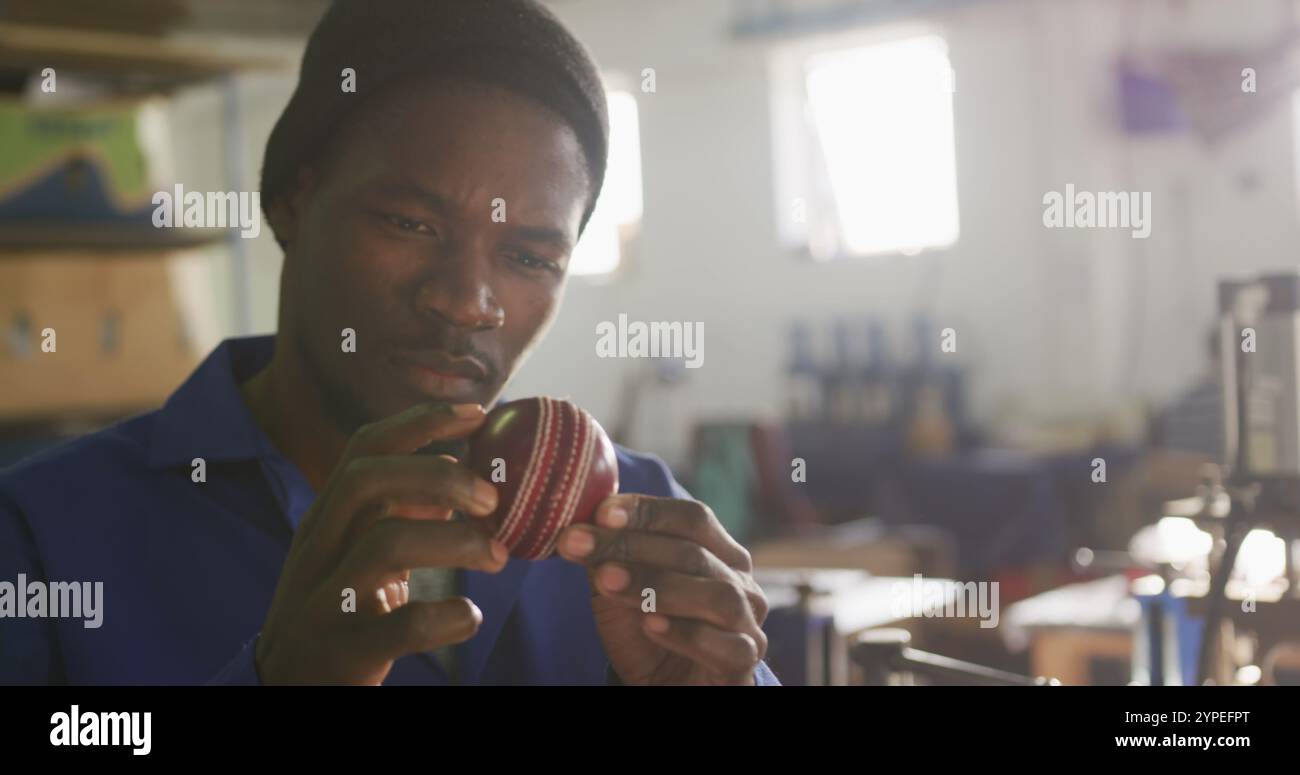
(383, 512)
(705, 627)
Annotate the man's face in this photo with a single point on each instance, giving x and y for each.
(397, 235)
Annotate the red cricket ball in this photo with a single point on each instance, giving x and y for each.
(551, 463)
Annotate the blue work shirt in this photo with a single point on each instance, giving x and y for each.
(189, 568)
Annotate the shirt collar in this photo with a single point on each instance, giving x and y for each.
(206, 417)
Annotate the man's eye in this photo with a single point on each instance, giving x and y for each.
(406, 224)
(533, 261)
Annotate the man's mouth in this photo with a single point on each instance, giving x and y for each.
(439, 374)
(443, 364)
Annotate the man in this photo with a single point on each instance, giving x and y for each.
(383, 199)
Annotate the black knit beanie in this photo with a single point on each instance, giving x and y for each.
(518, 45)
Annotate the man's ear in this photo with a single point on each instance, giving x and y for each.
(287, 212)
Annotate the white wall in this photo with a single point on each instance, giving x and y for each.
(1050, 320)
(198, 129)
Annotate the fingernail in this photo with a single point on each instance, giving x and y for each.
(466, 411)
(485, 494)
(614, 577)
(656, 623)
(499, 551)
(615, 516)
(579, 543)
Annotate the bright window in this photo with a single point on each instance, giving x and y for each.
(876, 169)
(618, 211)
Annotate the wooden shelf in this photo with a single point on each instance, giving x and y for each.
(122, 54)
(33, 235)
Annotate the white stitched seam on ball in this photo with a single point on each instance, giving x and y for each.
(556, 481)
(530, 476)
(540, 536)
(578, 466)
(541, 462)
(544, 458)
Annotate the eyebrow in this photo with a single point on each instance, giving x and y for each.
(443, 206)
(408, 190)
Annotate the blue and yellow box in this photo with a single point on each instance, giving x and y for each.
(75, 167)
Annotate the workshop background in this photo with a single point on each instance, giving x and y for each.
(905, 371)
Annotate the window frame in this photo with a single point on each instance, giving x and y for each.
(627, 233)
(799, 171)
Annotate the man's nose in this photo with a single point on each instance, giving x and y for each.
(460, 292)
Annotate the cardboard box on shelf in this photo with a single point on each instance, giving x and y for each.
(89, 333)
(93, 175)
(76, 163)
